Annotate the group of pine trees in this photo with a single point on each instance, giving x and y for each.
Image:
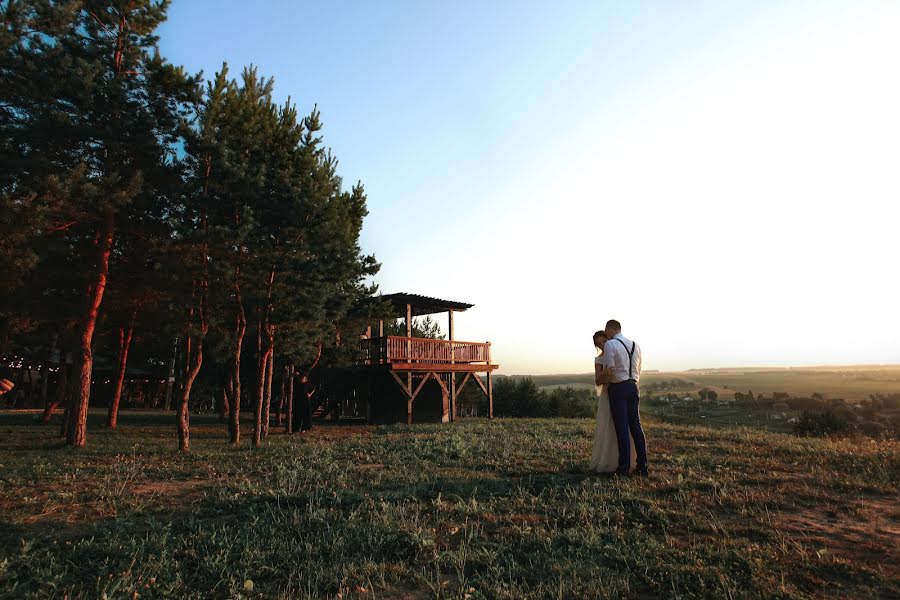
(140, 202)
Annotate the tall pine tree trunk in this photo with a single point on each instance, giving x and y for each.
(264, 327)
(71, 390)
(170, 378)
(281, 397)
(62, 385)
(260, 384)
(224, 409)
(191, 370)
(125, 335)
(267, 406)
(77, 433)
(193, 360)
(289, 426)
(234, 421)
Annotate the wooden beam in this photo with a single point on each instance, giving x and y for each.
(400, 383)
(445, 399)
(465, 380)
(409, 406)
(441, 383)
(453, 394)
(380, 327)
(422, 384)
(409, 320)
(481, 385)
(490, 395)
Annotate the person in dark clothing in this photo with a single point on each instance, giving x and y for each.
(303, 411)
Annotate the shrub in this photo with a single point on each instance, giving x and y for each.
(811, 403)
(821, 424)
(520, 397)
(517, 397)
(873, 429)
(569, 402)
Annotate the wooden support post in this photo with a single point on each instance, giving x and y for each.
(409, 332)
(446, 413)
(490, 395)
(380, 327)
(369, 396)
(462, 384)
(409, 376)
(490, 385)
(453, 408)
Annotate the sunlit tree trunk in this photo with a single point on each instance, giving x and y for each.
(267, 406)
(125, 335)
(193, 360)
(234, 422)
(77, 432)
(224, 410)
(266, 349)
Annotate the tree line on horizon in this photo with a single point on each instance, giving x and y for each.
(141, 203)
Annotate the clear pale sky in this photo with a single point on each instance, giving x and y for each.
(722, 177)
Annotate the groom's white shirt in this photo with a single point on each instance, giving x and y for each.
(615, 356)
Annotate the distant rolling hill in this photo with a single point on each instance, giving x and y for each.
(854, 382)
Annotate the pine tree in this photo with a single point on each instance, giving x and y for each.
(95, 119)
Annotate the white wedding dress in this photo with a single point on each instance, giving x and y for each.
(605, 457)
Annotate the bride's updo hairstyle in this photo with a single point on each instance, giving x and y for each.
(599, 335)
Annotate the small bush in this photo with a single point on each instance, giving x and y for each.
(821, 424)
(520, 397)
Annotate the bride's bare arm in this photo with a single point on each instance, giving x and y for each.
(602, 374)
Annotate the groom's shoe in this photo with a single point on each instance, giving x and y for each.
(642, 471)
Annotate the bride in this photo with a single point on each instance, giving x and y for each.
(605, 457)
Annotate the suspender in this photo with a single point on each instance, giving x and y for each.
(630, 356)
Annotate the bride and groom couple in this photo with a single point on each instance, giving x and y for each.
(619, 443)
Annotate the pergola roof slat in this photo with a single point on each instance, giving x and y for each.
(422, 305)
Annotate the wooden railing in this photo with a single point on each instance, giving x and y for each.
(382, 350)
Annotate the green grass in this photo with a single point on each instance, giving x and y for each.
(475, 509)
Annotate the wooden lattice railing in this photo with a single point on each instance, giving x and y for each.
(382, 350)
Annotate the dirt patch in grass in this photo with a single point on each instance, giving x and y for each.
(68, 514)
(527, 518)
(868, 534)
(393, 590)
(336, 433)
(171, 489)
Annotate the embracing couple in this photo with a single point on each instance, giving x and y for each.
(619, 443)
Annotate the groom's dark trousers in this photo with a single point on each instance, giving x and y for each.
(624, 402)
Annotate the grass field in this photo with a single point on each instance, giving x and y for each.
(850, 383)
(475, 509)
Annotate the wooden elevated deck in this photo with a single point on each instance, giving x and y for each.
(421, 354)
(421, 367)
(413, 362)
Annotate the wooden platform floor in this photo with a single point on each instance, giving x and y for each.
(442, 367)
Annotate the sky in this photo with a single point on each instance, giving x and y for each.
(721, 177)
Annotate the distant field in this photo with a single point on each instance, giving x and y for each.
(849, 383)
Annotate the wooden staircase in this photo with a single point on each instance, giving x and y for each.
(325, 408)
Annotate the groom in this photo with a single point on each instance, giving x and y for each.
(622, 358)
